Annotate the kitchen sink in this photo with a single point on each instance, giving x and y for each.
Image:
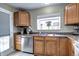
(51, 35)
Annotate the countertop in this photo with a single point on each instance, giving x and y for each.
(70, 35)
(45, 33)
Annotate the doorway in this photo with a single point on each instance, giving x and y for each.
(6, 32)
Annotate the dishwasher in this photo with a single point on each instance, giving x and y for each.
(27, 44)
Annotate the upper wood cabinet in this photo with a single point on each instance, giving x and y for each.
(21, 18)
(72, 14)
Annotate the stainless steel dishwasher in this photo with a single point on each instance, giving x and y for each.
(27, 43)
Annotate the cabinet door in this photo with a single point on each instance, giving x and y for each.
(78, 12)
(63, 51)
(22, 18)
(71, 48)
(65, 15)
(28, 19)
(38, 46)
(51, 46)
(71, 14)
(16, 18)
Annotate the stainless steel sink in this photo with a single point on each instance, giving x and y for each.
(51, 35)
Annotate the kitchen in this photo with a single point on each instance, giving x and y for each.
(39, 29)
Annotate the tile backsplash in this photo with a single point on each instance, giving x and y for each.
(76, 28)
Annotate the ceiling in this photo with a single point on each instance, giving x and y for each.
(29, 6)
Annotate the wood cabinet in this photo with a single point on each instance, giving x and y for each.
(38, 46)
(53, 46)
(21, 18)
(71, 49)
(17, 42)
(72, 14)
(63, 46)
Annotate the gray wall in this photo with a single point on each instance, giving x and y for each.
(59, 8)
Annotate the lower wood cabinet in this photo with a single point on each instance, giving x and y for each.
(39, 46)
(17, 42)
(52, 46)
(71, 49)
(63, 46)
(18, 47)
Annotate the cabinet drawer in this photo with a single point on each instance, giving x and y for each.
(18, 40)
(18, 43)
(38, 38)
(18, 37)
(51, 38)
(18, 47)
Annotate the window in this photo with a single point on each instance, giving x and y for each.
(49, 23)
